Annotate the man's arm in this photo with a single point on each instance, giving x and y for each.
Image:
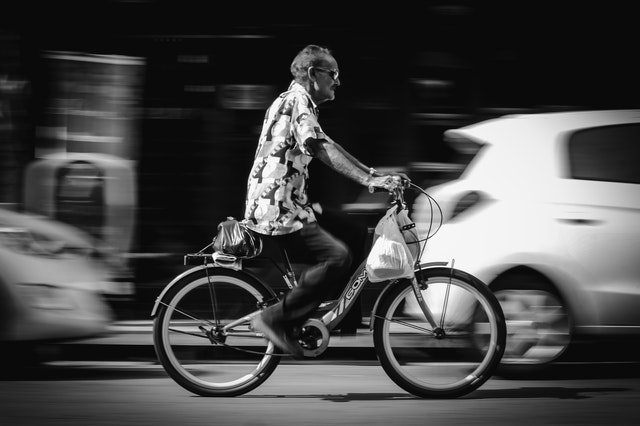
(357, 163)
(350, 157)
(336, 157)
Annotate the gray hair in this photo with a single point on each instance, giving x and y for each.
(311, 56)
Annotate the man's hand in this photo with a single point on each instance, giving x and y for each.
(401, 175)
(388, 182)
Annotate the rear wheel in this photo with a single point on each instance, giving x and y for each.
(193, 339)
(457, 354)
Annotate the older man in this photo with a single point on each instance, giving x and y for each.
(277, 205)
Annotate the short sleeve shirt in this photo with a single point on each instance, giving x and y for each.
(277, 201)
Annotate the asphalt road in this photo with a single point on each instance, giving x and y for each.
(115, 380)
(300, 393)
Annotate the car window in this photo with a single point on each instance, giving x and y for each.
(465, 151)
(606, 154)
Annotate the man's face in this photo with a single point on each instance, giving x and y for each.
(326, 81)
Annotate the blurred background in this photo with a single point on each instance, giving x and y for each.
(137, 121)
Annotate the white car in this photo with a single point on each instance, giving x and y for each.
(547, 214)
(54, 282)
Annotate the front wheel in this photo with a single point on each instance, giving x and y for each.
(195, 342)
(454, 352)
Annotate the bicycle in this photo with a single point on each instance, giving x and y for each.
(439, 335)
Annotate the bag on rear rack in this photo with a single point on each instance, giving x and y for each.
(235, 239)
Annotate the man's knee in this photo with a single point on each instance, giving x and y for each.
(341, 258)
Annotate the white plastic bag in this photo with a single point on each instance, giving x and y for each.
(390, 257)
(409, 234)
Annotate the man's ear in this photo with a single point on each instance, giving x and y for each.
(311, 75)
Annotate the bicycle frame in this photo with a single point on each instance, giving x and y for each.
(356, 284)
(337, 309)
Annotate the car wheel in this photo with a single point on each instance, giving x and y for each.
(538, 322)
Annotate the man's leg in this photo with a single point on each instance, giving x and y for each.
(355, 234)
(316, 283)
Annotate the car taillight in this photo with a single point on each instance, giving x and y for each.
(468, 201)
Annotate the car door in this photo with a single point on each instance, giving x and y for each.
(597, 206)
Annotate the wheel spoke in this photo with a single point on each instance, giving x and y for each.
(187, 315)
(405, 323)
(175, 330)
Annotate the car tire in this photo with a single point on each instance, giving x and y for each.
(539, 327)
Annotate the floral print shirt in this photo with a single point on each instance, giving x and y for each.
(277, 201)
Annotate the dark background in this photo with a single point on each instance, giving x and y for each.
(489, 58)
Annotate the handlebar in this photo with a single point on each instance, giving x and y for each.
(398, 187)
(397, 192)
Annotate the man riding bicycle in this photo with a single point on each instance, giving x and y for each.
(277, 205)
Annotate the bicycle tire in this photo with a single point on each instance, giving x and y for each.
(228, 367)
(448, 361)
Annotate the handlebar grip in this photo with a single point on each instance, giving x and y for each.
(404, 183)
(373, 189)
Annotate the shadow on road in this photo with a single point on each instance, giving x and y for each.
(556, 392)
(348, 397)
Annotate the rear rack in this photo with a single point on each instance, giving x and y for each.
(198, 258)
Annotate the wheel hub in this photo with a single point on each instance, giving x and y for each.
(214, 335)
(439, 333)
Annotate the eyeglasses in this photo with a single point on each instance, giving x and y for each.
(332, 73)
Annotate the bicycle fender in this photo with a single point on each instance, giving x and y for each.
(388, 287)
(168, 287)
(188, 272)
